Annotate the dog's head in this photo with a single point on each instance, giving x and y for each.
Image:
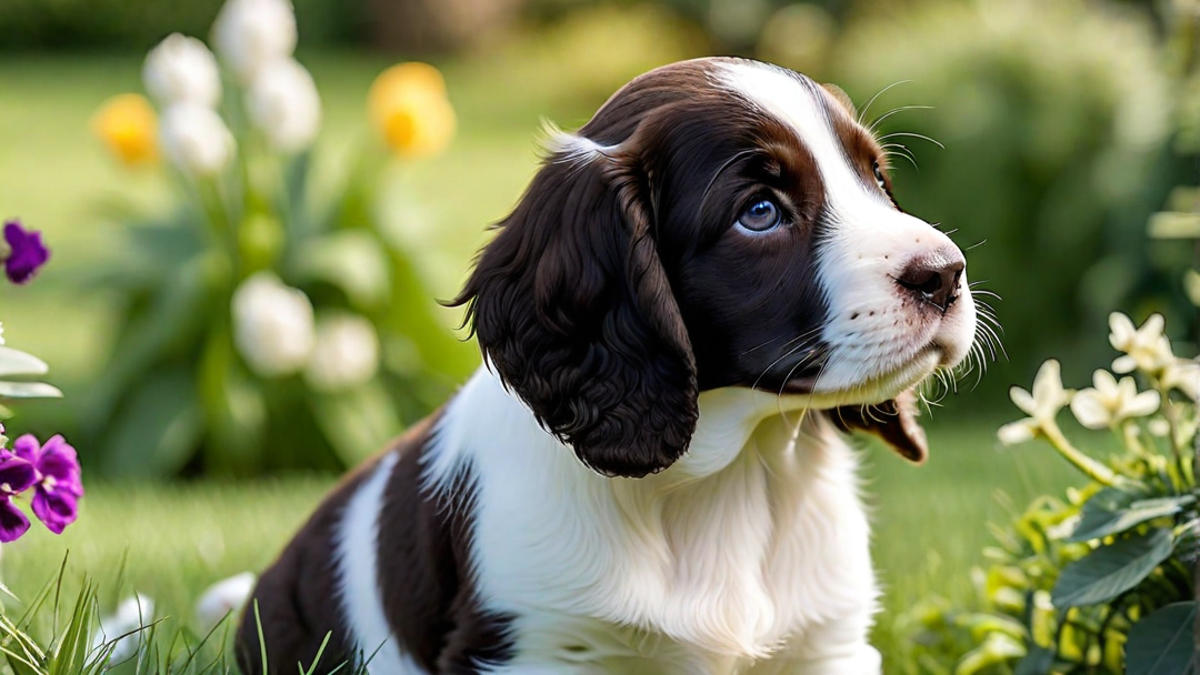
(717, 223)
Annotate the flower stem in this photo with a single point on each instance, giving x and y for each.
(1093, 469)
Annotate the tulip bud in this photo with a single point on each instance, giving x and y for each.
(272, 325)
(283, 103)
(128, 126)
(250, 34)
(182, 70)
(346, 353)
(196, 140)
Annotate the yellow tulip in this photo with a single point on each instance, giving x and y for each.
(128, 127)
(409, 109)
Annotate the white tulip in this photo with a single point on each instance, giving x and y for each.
(223, 598)
(249, 34)
(272, 325)
(132, 614)
(196, 140)
(283, 103)
(182, 70)
(346, 353)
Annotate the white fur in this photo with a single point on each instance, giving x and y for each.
(724, 563)
(358, 575)
(875, 354)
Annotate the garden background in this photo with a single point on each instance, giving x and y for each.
(1058, 131)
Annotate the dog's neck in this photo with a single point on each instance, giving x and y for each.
(733, 422)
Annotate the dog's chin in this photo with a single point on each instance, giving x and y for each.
(876, 388)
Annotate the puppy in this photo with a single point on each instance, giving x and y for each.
(699, 292)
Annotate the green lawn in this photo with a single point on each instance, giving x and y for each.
(170, 541)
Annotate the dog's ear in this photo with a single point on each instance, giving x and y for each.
(842, 97)
(895, 421)
(572, 308)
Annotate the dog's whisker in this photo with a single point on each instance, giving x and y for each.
(912, 134)
(975, 246)
(866, 108)
(879, 120)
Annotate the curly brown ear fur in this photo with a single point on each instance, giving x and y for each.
(572, 308)
(894, 421)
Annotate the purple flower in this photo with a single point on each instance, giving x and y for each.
(16, 476)
(27, 252)
(58, 486)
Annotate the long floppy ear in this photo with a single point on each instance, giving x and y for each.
(894, 421)
(572, 308)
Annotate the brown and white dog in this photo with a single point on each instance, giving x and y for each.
(700, 290)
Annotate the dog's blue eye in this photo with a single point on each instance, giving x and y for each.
(761, 216)
(879, 176)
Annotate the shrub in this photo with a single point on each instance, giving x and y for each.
(1099, 581)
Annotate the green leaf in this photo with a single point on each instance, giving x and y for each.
(70, 657)
(180, 310)
(351, 260)
(996, 648)
(1164, 643)
(1103, 515)
(1037, 662)
(14, 362)
(158, 428)
(357, 423)
(1111, 570)
(234, 407)
(28, 390)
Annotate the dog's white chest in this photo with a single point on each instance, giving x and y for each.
(712, 575)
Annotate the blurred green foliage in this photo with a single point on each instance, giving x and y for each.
(136, 25)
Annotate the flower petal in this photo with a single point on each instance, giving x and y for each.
(1017, 432)
(13, 523)
(1153, 327)
(56, 509)
(1104, 381)
(1122, 330)
(1022, 399)
(27, 253)
(1124, 364)
(27, 448)
(16, 476)
(1047, 385)
(1145, 403)
(59, 459)
(1090, 410)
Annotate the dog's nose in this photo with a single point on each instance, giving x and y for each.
(934, 278)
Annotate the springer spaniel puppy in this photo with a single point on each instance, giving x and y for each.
(700, 291)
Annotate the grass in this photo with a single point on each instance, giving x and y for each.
(171, 541)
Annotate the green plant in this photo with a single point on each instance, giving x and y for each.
(264, 327)
(1101, 581)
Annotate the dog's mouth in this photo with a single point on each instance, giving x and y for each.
(881, 383)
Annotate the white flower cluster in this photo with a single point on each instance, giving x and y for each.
(1109, 403)
(276, 334)
(255, 39)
